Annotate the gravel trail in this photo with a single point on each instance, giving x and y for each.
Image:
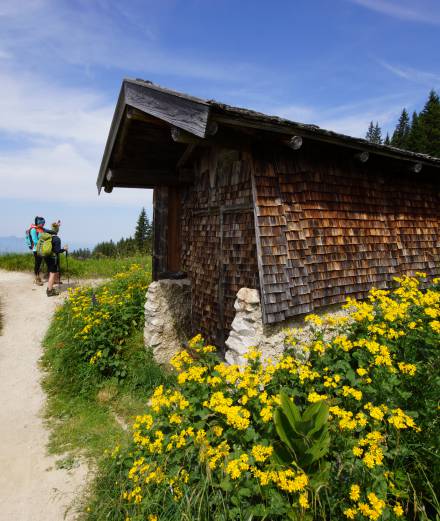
(31, 487)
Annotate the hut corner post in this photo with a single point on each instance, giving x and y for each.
(168, 299)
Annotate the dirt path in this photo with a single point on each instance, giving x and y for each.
(31, 488)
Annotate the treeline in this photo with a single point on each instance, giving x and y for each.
(140, 243)
(420, 133)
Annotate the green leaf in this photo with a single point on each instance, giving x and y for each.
(283, 428)
(290, 409)
(226, 485)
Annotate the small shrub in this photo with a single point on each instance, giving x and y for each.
(207, 446)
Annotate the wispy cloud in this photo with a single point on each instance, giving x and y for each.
(38, 108)
(61, 132)
(425, 11)
(351, 118)
(411, 74)
(97, 35)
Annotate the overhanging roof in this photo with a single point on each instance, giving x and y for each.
(158, 109)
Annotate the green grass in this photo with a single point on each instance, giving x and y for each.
(82, 408)
(88, 412)
(89, 268)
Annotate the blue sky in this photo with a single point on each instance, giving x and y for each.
(335, 63)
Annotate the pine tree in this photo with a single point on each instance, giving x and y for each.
(369, 136)
(142, 231)
(377, 134)
(374, 133)
(387, 140)
(400, 135)
(415, 134)
(429, 122)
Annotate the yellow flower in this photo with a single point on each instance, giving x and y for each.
(303, 501)
(237, 466)
(355, 492)
(314, 397)
(350, 513)
(398, 510)
(152, 517)
(261, 453)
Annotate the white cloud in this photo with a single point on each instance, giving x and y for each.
(59, 172)
(429, 79)
(90, 36)
(425, 11)
(32, 106)
(351, 119)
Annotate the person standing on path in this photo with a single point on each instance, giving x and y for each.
(35, 231)
(53, 260)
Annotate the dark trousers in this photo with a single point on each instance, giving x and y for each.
(37, 263)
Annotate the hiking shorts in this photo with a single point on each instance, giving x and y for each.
(52, 264)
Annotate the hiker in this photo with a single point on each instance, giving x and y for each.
(49, 248)
(32, 236)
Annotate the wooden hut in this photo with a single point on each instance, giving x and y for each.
(241, 199)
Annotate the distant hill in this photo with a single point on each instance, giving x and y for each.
(12, 244)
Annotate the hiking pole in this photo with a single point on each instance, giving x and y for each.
(67, 268)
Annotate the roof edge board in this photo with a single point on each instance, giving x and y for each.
(181, 112)
(114, 127)
(327, 136)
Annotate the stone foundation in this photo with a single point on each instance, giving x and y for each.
(248, 330)
(167, 317)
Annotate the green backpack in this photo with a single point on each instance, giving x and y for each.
(44, 245)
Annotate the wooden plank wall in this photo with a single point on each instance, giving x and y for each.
(218, 239)
(160, 231)
(337, 228)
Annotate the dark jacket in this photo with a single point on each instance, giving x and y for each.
(56, 245)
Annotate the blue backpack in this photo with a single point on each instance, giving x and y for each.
(28, 238)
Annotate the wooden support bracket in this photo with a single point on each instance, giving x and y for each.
(295, 142)
(416, 168)
(362, 156)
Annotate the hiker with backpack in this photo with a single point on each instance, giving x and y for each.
(32, 235)
(49, 248)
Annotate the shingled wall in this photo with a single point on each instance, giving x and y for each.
(218, 239)
(329, 228)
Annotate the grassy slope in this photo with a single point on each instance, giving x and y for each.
(89, 268)
(82, 412)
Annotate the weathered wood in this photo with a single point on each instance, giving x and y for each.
(184, 158)
(295, 142)
(173, 239)
(160, 231)
(362, 157)
(116, 121)
(314, 133)
(181, 136)
(182, 112)
(149, 178)
(416, 168)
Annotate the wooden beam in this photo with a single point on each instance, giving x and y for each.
(149, 178)
(319, 135)
(116, 121)
(212, 128)
(416, 168)
(137, 115)
(182, 112)
(362, 157)
(180, 136)
(295, 142)
(184, 158)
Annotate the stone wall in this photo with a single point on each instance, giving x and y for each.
(248, 330)
(167, 317)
